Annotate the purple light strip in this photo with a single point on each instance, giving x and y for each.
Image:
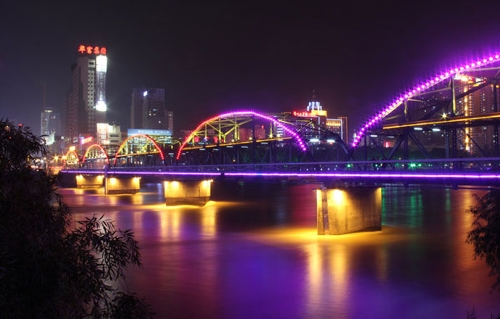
(334, 175)
(419, 88)
(371, 175)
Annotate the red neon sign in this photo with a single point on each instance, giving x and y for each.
(88, 49)
(86, 140)
(302, 114)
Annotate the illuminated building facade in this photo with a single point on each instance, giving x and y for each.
(51, 130)
(50, 122)
(85, 103)
(479, 102)
(316, 120)
(109, 137)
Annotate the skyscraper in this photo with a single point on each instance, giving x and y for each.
(50, 122)
(85, 103)
(149, 111)
(154, 112)
(136, 108)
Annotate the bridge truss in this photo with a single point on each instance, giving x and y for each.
(242, 137)
(452, 115)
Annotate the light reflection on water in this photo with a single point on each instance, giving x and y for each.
(255, 254)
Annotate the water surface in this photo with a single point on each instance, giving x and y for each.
(254, 253)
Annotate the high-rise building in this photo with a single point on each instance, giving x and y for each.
(50, 122)
(149, 111)
(51, 130)
(85, 103)
(154, 112)
(136, 108)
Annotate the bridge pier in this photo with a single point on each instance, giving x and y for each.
(194, 192)
(348, 210)
(89, 181)
(122, 185)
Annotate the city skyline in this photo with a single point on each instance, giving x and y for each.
(222, 57)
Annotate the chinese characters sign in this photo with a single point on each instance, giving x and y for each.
(88, 49)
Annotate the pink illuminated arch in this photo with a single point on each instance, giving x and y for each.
(287, 129)
(98, 147)
(421, 88)
(147, 137)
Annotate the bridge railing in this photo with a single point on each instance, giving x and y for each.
(466, 165)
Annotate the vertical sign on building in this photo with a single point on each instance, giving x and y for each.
(101, 67)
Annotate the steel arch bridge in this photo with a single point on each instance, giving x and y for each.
(242, 137)
(95, 157)
(139, 150)
(453, 114)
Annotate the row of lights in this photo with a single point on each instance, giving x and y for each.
(436, 80)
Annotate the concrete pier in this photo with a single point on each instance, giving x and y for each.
(348, 210)
(192, 192)
(122, 185)
(89, 181)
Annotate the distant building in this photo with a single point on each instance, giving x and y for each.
(161, 137)
(476, 139)
(154, 111)
(109, 137)
(51, 130)
(85, 103)
(317, 125)
(50, 122)
(136, 108)
(149, 110)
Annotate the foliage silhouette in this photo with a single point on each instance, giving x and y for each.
(485, 233)
(48, 270)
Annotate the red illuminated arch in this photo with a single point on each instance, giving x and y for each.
(96, 147)
(149, 141)
(249, 114)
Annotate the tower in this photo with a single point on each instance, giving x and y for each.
(85, 103)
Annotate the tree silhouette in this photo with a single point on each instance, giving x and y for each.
(485, 233)
(46, 269)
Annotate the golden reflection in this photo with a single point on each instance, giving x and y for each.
(209, 220)
(170, 222)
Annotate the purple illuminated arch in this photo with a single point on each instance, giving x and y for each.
(287, 129)
(99, 147)
(420, 88)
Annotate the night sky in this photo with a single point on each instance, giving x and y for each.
(213, 56)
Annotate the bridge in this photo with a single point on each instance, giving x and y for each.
(442, 131)
(453, 114)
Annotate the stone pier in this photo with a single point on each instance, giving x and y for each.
(122, 185)
(348, 210)
(89, 181)
(192, 192)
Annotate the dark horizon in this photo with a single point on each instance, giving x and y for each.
(216, 57)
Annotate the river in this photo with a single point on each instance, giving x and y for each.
(253, 252)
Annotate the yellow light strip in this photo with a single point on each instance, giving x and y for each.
(441, 122)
